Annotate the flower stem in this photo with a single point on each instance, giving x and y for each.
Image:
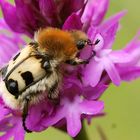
(101, 133)
(82, 135)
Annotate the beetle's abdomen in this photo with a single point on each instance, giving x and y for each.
(24, 71)
(25, 75)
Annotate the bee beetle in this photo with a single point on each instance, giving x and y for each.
(34, 73)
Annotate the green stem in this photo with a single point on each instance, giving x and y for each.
(101, 133)
(82, 135)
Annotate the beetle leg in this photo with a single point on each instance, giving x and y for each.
(77, 61)
(25, 114)
(53, 93)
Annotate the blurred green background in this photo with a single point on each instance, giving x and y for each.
(122, 104)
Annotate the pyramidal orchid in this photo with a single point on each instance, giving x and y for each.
(82, 85)
(105, 58)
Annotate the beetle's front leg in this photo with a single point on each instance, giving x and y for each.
(77, 61)
(25, 113)
(53, 93)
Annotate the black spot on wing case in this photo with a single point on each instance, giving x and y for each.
(28, 77)
(12, 87)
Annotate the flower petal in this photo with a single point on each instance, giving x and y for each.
(100, 45)
(91, 107)
(49, 11)
(120, 57)
(109, 36)
(3, 112)
(94, 93)
(10, 43)
(29, 11)
(112, 71)
(41, 110)
(129, 73)
(10, 16)
(73, 123)
(135, 42)
(92, 73)
(4, 124)
(101, 7)
(133, 49)
(112, 20)
(68, 7)
(54, 118)
(109, 28)
(19, 132)
(16, 130)
(73, 22)
(94, 12)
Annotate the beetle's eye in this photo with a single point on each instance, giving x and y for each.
(12, 86)
(45, 62)
(81, 44)
(46, 65)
